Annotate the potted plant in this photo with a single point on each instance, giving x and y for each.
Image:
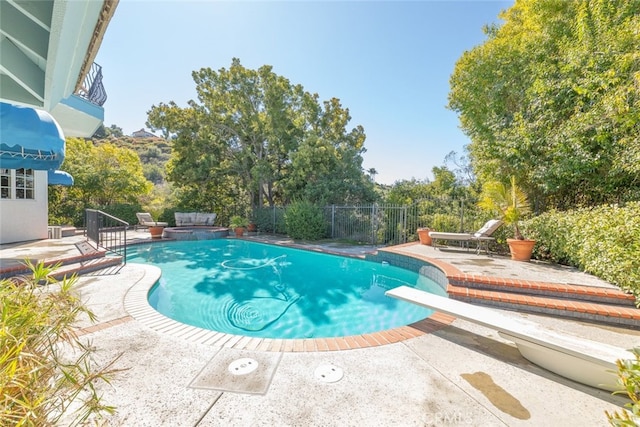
(237, 224)
(423, 235)
(156, 228)
(512, 204)
(156, 231)
(251, 226)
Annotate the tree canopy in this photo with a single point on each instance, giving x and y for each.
(104, 175)
(553, 98)
(112, 131)
(254, 138)
(445, 185)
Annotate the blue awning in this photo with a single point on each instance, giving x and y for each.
(59, 178)
(29, 139)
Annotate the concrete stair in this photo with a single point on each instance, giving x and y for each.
(90, 266)
(80, 264)
(589, 303)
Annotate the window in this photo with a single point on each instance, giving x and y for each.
(17, 184)
(24, 183)
(5, 183)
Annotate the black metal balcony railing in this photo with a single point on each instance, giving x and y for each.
(92, 88)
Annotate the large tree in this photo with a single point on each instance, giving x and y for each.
(103, 176)
(254, 136)
(552, 97)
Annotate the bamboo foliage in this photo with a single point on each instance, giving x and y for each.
(40, 383)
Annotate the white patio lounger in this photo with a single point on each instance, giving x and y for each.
(581, 360)
(146, 220)
(482, 237)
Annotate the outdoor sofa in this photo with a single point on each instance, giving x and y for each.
(191, 219)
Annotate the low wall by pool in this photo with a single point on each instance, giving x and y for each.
(405, 261)
(195, 233)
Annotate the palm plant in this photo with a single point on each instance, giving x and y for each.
(509, 201)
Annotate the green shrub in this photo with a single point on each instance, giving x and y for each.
(629, 379)
(124, 211)
(444, 223)
(270, 220)
(37, 382)
(304, 220)
(603, 241)
(168, 215)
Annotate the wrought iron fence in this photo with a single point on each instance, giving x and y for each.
(384, 224)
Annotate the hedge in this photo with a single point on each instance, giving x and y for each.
(603, 241)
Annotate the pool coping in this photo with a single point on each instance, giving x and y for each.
(138, 308)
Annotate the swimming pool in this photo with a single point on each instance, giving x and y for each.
(269, 291)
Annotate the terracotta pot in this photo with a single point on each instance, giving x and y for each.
(521, 249)
(252, 227)
(156, 232)
(239, 231)
(423, 235)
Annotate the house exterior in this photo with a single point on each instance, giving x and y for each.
(49, 88)
(143, 134)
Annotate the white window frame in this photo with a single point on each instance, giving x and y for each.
(17, 184)
(5, 183)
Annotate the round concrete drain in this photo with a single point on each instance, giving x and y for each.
(243, 366)
(328, 373)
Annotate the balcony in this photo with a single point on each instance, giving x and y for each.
(81, 113)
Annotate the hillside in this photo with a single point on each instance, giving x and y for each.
(154, 153)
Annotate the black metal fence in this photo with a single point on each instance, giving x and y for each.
(384, 224)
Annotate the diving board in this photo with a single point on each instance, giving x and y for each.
(581, 360)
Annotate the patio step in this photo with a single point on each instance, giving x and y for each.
(570, 291)
(87, 267)
(597, 306)
(79, 264)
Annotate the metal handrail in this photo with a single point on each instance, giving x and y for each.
(108, 232)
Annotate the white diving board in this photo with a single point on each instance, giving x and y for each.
(581, 360)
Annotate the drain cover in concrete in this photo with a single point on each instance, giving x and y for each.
(239, 371)
(243, 366)
(328, 373)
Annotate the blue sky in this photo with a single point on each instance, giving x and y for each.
(388, 62)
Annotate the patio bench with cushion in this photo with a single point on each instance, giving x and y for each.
(186, 219)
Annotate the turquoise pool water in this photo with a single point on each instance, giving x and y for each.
(268, 291)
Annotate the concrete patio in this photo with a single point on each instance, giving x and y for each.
(461, 374)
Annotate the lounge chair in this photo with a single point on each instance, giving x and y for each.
(146, 220)
(482, 237)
